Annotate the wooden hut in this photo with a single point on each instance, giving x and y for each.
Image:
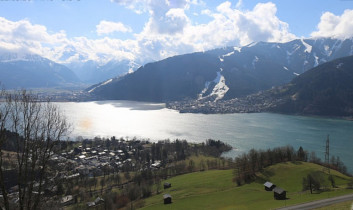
(269, 186)
(167, 185)
(167, 199)
(279, 193)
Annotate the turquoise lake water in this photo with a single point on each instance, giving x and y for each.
(242, 131)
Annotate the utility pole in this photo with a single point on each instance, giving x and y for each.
(327, 155)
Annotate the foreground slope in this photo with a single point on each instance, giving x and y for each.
(215, 190)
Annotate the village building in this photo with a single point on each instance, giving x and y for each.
(90, 204)
(99, 200)
(67, 200)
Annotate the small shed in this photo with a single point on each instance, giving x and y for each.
(269, 186)
(279, 193)
(167, 185)
(167, 199)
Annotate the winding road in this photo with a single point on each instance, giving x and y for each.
(319, 203)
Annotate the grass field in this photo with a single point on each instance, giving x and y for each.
(214, 189)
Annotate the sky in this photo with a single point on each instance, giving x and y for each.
(148, 30)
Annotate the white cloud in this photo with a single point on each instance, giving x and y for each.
(108, 27)
(206, 12)
(168, 31)
(163, 36)
(25, 37)
(140, 6)
(335, 26)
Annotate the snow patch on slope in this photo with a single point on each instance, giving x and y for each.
(316, 60)
(14, 57)
(289, 54)
(337, 45)
(308, 47)
(228, 54)
(207, 85)
(328, 52)
(104, 83)
(219, 90)
(254, 61)
(252, 44)
(237, 49)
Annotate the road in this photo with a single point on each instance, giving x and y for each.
(319, 203)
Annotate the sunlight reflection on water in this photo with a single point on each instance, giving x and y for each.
(243, 131)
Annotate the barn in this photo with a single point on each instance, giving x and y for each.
(269, 186)
(167, 199)
(279, 193)
(167, 185)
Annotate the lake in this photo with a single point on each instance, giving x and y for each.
(242, 131)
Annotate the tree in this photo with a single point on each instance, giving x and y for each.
(301, 154)
(5, 110)
(158, 185)
(313, 181)
(102, 183)
(38, 127)
(332, 180)
(314, 158)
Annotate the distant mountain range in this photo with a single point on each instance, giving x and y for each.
(33, 71)
(213, 75)
(323, 90)
(91, 72)
(24, 70)
(223, 73)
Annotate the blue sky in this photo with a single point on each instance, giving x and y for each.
(145, 30)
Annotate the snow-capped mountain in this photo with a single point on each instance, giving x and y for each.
(224, 73)
(92, 72)
(23, 70)
(92, 69)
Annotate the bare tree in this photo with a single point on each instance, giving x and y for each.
(39, 125)
(4, 116)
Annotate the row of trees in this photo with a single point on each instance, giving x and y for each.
(32, 128)
(248, 164)
(254, 161)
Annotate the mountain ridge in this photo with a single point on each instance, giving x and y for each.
(33, 71)
(324, 90)
(240, 71)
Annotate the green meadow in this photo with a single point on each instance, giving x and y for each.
(214, 189)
